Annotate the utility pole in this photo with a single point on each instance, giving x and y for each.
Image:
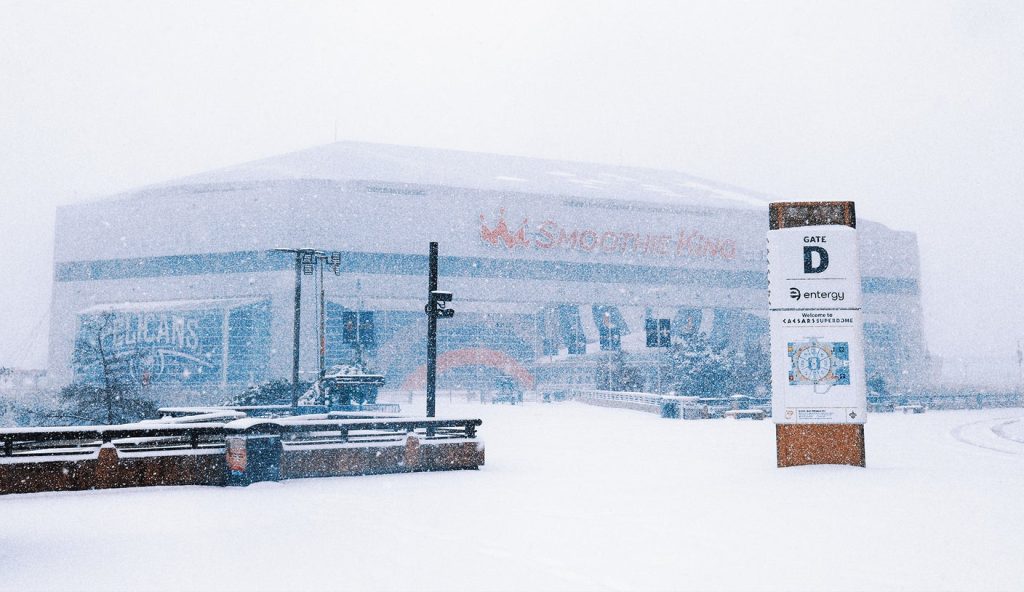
(436, 307)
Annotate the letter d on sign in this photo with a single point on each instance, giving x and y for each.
(809, 266)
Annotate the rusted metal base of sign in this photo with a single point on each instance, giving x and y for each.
(788, 214)
(819, 444)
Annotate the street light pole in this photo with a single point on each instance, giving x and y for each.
(322, 328)
(436, 307)
(296, 323)
(431, 332)
(309, 262)
(296, 328)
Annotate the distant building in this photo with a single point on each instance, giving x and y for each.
(556, 267)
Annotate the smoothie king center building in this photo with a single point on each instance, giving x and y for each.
(561, 271)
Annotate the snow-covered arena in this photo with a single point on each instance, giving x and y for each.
(559, 270)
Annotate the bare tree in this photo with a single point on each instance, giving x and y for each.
(106, 390)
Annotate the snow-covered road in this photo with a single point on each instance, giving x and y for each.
(572, 498)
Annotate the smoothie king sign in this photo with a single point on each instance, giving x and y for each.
(814, 300)
(551, 234)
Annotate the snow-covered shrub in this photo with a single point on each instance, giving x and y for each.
(274, 392)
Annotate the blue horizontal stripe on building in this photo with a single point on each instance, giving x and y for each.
(416, 265)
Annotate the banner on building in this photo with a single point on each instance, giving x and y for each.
(175, 342)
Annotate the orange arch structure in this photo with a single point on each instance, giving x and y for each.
(471, 357)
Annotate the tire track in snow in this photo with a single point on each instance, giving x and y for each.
(1001, 431)
(990, 434)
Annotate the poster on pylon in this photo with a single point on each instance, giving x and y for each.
(816, 323)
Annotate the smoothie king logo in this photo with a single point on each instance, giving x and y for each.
(549, 234)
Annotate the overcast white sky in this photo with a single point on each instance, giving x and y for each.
(915, 110)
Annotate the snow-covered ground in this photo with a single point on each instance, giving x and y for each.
(572, 498)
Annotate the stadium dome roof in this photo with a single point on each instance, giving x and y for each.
(432, 167)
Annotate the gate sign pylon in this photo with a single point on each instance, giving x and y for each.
(819, 400)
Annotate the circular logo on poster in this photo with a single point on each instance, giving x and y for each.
(816, 362)
(813, 363)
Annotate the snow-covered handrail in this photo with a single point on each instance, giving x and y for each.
(630, 396)
(666, 405)
(77, 440)
(190, 411)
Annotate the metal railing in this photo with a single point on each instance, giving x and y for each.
(685, 407)
(85, 441)
(274, 411)
(947, 400)
(638, 398)
(32, 443)
(665, 405)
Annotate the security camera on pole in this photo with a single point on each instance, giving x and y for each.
(436, 307)
(819, 400)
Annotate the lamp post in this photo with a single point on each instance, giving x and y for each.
(296, 324)
(308, 262)
(322, 325)
(436, 307)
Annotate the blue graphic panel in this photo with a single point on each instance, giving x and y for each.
(181, 346)
(610, 317)
(178, 346)
(727, 326)
(884, 354)
(882, 335)
(249, 343)
(754, 332)
(571, 327)
(546, 329)
(687, 321)
(346, 332)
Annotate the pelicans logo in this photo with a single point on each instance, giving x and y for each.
(153, 346)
